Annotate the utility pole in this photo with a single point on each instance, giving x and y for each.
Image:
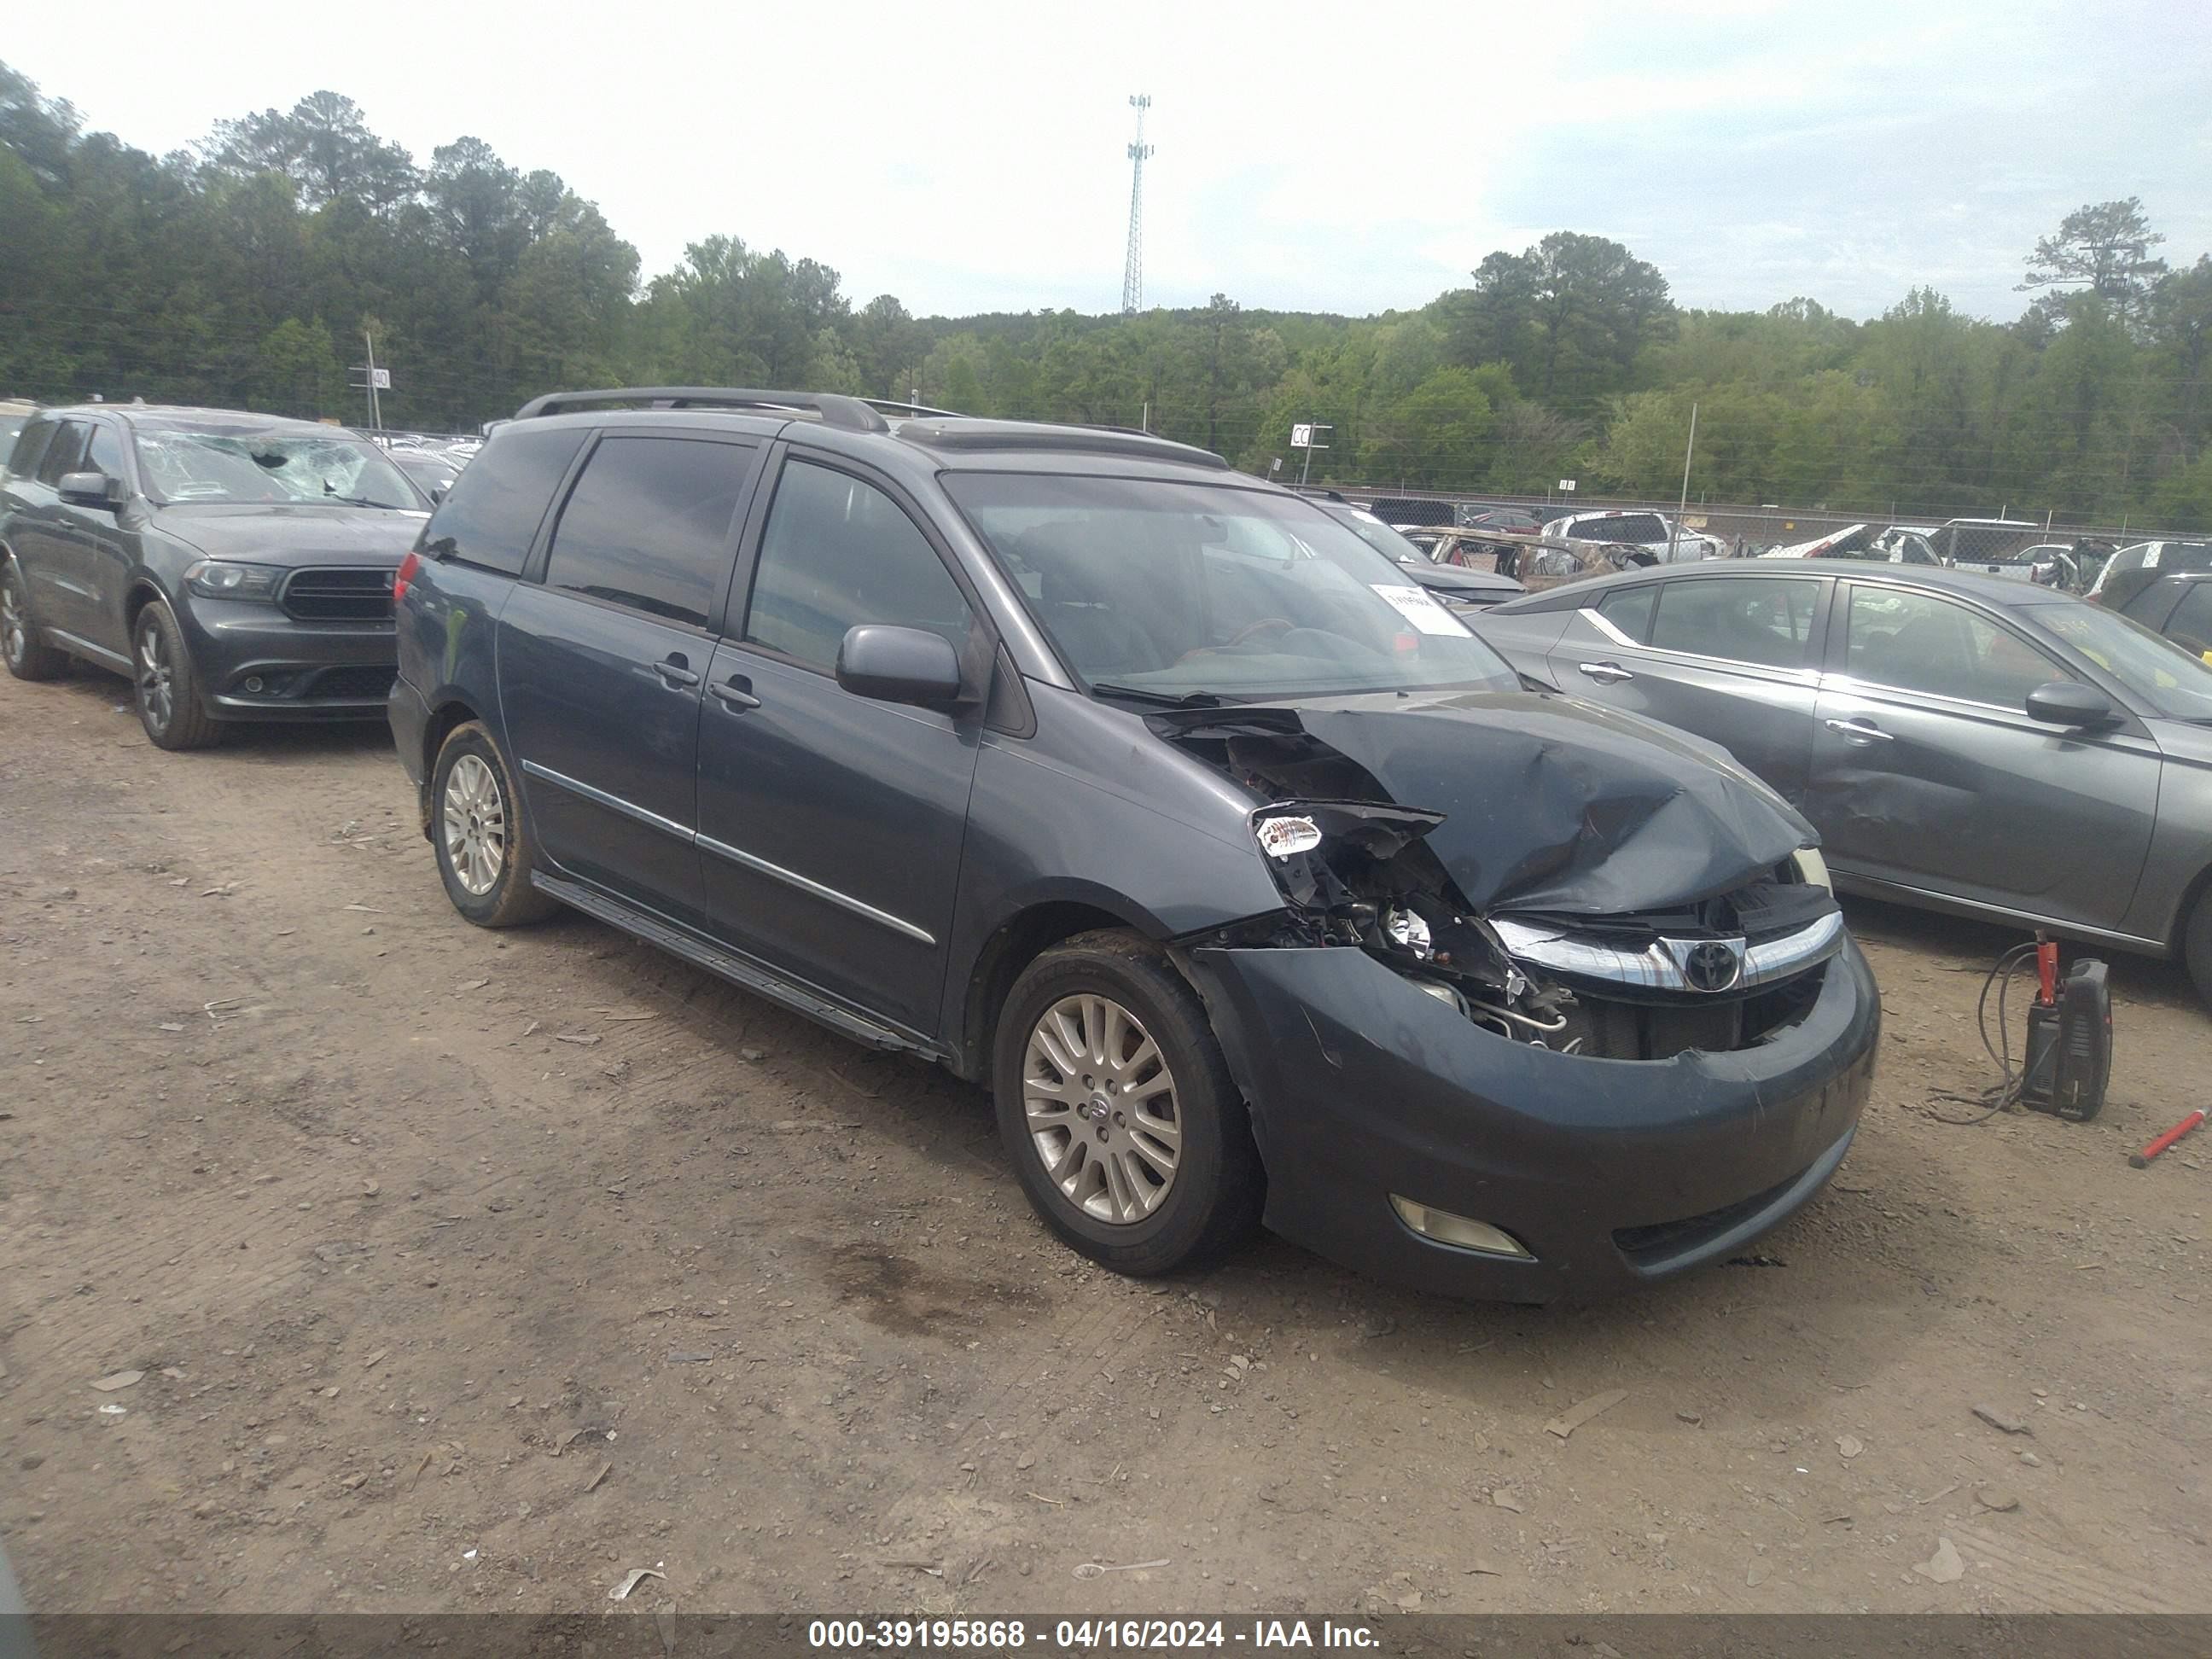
(373, 380)
(1674, 531)
(1133, 263)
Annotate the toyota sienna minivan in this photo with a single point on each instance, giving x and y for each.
(1248, 883)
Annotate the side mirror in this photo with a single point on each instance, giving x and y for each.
(437, 494)
(899, 664)
(90, 490)
(2067, 702)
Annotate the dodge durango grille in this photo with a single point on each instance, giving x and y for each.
(347, 594)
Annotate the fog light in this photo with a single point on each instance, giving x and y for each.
(1458, 1231)
(253, 682)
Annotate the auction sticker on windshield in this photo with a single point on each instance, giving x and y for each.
(1420, 607)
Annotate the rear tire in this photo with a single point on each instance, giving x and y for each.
(166, 685)
(484, 850)
(1127, 1131)
(27, 659)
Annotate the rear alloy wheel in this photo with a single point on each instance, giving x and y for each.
(26, 659)
(167, 685)
(1115, 1103)
(484, 848)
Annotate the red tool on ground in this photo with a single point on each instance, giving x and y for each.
(2141, 1160)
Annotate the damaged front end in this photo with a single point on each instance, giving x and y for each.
(1720, 969)
(1556, 1003)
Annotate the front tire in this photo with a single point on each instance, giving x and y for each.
(2196, 945)
(1127, 1131)
(20, 647)
(166, 685)
(484, 851)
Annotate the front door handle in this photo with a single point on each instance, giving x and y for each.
(675, 671)
(735, 694)
(1860, 731)
(1605, 673)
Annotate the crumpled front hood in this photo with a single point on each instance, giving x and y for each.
(1550, 804)
(280, 533)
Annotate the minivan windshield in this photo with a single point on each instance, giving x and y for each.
(184, 466)
(1167, 590)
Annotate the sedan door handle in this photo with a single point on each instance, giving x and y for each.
(734, 693)
(1860, 731)
(675, 671)
(1605, 673)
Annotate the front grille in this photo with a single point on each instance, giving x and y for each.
(353, 682)
(324, 594)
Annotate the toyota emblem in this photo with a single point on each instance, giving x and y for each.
(1712, 965)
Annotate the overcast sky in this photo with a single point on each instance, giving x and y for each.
(1351, 157)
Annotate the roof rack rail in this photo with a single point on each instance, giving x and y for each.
(918, 411)
(852, 414)
(965, 433)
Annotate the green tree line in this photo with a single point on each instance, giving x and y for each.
(248, 269)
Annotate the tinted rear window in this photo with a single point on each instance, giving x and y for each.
(24, 463)
(492, 513)
(649, 526)
(1637, 528)
(65, 454)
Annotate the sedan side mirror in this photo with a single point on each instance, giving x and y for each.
(2067, 702)
(899, 664)
(90, 490)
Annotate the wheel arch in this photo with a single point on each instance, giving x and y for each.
(1017, 941)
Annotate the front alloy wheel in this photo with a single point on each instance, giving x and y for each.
(1101, 1107)
(1115, 1103)
(166, 686)
(157, 679)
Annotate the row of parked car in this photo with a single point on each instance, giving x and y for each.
(1252, 874)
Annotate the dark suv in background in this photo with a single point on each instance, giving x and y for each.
(237, 567)
(1152, 796)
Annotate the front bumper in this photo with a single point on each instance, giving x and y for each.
(306, 670)
(1612, 1173)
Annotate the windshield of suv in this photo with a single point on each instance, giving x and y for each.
(2165, 677)
(11, 428)
(182, 465)
(1640, 529)
(1390, 544)
(1173, 590)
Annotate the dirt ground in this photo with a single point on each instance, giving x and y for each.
(468, 1271)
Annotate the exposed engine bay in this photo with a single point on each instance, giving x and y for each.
(1501, 905)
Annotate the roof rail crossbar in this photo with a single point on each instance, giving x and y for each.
(852, 414)
(967, 433)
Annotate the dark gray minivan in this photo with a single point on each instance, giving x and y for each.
(1248, 881)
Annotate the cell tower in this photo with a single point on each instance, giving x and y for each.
(1132, 267)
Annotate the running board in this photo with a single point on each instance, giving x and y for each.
(725, 965)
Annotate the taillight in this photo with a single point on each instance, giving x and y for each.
(409, 568)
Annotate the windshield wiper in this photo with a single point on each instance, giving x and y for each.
(350, 501)
(1163, 699)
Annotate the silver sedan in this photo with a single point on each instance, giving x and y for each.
(1991, 749)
